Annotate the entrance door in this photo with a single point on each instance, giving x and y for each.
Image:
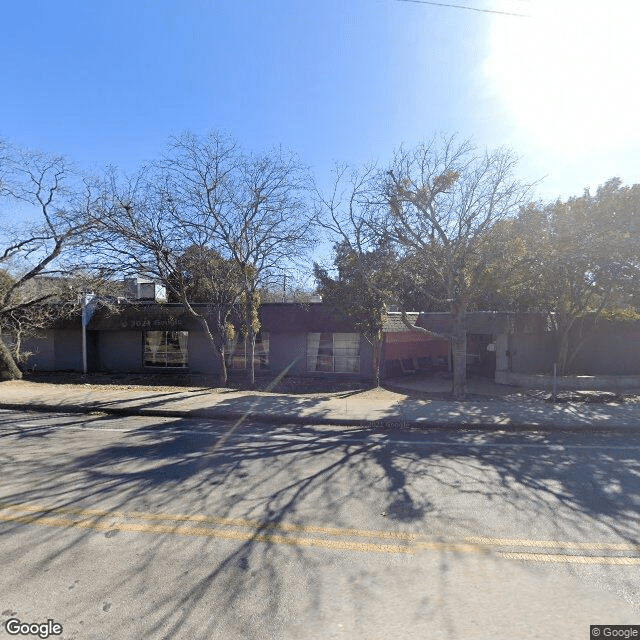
(481, 358)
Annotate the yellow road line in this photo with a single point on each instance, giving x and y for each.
(568, 558)
(231, 522)
(240, 535)
(95, 519)
(460, 547)
(553, 544)
(227, 534)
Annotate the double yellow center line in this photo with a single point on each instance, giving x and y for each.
(242, 529)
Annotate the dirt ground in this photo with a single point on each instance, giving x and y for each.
(163, 381)
(306, 386)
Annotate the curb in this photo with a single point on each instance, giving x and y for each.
(389, 423)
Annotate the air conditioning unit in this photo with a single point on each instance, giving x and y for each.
(144, 290)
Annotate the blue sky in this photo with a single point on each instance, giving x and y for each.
(333, 80)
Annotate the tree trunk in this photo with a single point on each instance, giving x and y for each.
(250, 356)
(459, 348)
(8, 367)
(565, 322)
(563, 351)
(377, 355)
(219, 350)
(222, 376)
(217, 342)
(252, 325)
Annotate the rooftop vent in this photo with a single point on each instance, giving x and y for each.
(144, 290)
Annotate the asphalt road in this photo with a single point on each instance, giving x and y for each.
(166, 528)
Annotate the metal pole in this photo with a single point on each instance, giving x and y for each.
(555, 382)
(84, 349)
(86, 298)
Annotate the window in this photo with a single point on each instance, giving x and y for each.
(333, 352)
(166, 348)
(238, 353)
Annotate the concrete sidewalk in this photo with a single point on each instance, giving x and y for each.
(376, 407)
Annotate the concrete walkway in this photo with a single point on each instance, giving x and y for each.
(376, 407)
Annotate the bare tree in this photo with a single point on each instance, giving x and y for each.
(345, 212)
(206, 196)
(54, 201)
(251, 208)
(442, 199)
(142, 230)
(360, 291)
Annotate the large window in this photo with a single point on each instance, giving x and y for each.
(333, 352)
(166, 348)
(238, 351)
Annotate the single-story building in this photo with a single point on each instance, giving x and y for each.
(308, 340)
(504, 346)
(163, 337)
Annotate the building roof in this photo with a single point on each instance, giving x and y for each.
(275, 317)
(487, 322)
(296, 317)
(393, 321)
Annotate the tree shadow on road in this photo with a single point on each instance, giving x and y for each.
(279, 504)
